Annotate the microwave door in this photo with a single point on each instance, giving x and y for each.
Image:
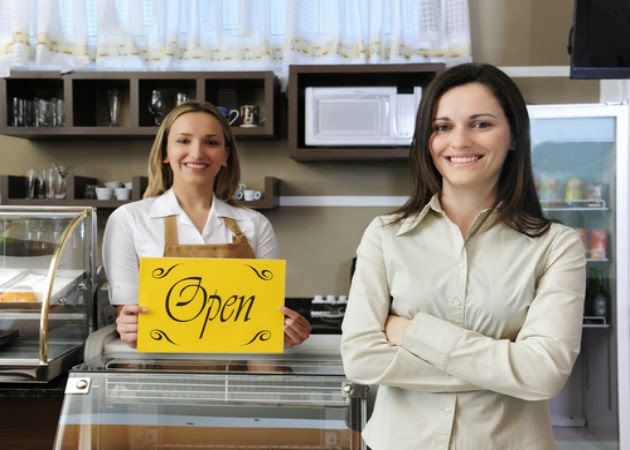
(350, 116)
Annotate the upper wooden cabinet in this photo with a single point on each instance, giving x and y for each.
(76, 104)
(403, 76)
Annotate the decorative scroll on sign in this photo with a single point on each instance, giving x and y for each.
(211, 305)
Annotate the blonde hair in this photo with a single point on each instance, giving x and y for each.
(160, 173)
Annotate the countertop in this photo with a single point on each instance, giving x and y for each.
(54, 388)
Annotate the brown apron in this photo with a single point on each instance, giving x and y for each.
(239, 248)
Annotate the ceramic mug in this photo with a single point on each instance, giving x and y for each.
(231, 115)
(249, 116)
(104, 193)
(249, 195)
(122, 193)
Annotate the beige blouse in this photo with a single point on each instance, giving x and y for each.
(496, 328)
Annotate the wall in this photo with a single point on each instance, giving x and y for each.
(319, 242)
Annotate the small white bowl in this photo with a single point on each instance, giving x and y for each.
(122, 193)
(104, 193)
(128, 184)
(113, 184)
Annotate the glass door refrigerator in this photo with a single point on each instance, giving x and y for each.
(580, 156)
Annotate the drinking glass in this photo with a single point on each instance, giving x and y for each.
(57, 106)
(50, 176)
(157, 106)
(181, 98)
(18, 112)
(59, 181)
(31, 183)
(113, 98)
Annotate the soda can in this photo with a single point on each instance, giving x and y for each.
(573, 191)
(598, 244)
(594, 195)
(549, 192)
(584, 236)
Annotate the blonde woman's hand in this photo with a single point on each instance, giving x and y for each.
(127, 323)
(296, 328)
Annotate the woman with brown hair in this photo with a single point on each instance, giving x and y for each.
(466, 303)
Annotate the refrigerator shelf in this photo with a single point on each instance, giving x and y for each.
(595, 322)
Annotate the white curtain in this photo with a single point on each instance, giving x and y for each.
(229, 34)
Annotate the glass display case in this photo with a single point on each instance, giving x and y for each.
(121, 399)
(47, 288)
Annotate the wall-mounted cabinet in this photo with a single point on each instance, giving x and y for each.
(405, 77)
(50, 104)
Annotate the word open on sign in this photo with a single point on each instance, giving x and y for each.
(211, 305)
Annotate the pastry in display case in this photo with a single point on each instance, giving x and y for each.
(47, 287)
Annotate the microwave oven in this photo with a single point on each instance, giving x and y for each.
(367, 116)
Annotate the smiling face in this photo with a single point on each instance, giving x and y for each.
(470, 140)
(196, 151)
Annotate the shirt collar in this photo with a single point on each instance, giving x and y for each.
(167, 205)
(482, 222)
(409, 223)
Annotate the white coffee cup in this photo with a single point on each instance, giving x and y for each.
(104, 193)
(122, 193)
(113, 184)
(249, 195)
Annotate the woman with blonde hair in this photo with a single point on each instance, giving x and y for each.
(187, 211)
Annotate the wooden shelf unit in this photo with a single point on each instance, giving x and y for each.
(85, 104)
(403, 76)
(13, 192)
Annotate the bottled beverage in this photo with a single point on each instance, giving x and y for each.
(597, 294)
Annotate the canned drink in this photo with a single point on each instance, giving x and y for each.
(594, 194)
(549, 191)
(584, 236)
(598, 244)
(573, 191)
(537, 186)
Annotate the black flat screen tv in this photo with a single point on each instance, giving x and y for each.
(599, 43)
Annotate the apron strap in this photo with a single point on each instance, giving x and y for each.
(171, 237)
(238, 235)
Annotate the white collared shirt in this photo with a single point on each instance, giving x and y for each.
(496, 322)
(136, 230)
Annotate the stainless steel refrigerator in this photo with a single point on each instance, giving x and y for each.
(580, 155)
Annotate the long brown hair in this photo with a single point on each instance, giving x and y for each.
(161, 174)
(517, 202)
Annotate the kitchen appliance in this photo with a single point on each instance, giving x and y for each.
(361, 115)
(119, 398)
(581, 164)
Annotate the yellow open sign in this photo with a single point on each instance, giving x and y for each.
(211, 305)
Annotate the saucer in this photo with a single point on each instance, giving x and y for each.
(248, 126)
